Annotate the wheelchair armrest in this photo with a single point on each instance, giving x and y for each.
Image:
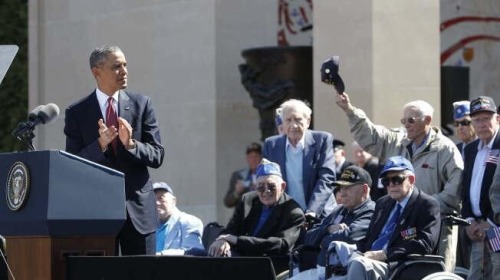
(419, 257)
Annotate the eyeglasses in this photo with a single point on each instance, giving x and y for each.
(462, 123)
(261, 187)
(395, 180)
(411, 120)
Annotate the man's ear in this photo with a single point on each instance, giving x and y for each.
(283, 186)
(411, 178)
(427, 120)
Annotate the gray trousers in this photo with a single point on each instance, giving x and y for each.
(480, 264)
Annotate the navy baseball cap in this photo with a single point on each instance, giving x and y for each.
(482, 104)
(353, 175)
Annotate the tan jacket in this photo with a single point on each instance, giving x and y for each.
(438, 167)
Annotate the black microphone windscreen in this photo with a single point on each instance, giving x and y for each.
(48, 113)
(34, 114)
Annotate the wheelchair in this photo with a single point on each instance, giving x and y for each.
(415, 266)
(426, 266)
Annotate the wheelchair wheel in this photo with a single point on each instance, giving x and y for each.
(442, 276)
(461, 271)
(283, 275)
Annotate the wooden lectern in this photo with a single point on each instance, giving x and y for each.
(56, 205)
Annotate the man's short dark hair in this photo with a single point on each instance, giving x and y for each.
(254, 147)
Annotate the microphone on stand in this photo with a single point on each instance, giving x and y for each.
(42, 114)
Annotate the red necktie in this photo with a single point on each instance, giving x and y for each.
(112, 119)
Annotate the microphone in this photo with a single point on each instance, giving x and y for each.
(453, 220)
(34, 114)
(42, 114)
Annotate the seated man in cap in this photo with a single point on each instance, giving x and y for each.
(179, 233)
(348, 222)
(266, 222)
(406, 221)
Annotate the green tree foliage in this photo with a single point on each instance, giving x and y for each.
(14, 88)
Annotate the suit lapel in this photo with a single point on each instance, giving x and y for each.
(124, 106)
(307, 161)
(281, 156)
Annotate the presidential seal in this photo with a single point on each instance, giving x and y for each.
(18, 186)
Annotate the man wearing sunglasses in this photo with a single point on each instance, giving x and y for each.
(437, 161)
(481, 159)
(466, 134)
(406, 221)
(266, 222)
(462, 122)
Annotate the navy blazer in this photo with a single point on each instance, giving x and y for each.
(278, 234)
(469, 159)
(318, 165)
(417, 231)
(81, 129)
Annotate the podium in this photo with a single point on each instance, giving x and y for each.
(56, 205)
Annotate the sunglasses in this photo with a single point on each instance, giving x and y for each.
(411, 120)
(462, 123)
(395, 180)
(261, 187)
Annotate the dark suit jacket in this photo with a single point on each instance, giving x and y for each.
(81, 131)
(417, 231)
(318, 165)
(278, 234)
(469, 159)
(357, 221)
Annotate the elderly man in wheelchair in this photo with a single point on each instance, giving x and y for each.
(405, 222)
(348, 222)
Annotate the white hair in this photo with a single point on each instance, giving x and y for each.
(423, 107)
(295, 104)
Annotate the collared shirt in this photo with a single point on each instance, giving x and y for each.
(102, 98)
(264, 215)
(483, 151)
(163, 231)
(403, 204)
(416, 149)
(294, 170)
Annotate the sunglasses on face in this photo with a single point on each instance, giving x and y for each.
(411, 120)
(395, 180)
(261, 187)
(462, 123)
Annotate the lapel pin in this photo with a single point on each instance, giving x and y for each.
(127, 108)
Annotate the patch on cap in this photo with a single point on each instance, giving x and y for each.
(461, 109)
(266, 168)
(482, 104)
(353, 175)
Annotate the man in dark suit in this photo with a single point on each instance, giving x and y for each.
(406, 221)
(128, 141)
(339, 154)
(266, 222)
(481, 159)
(305, 158)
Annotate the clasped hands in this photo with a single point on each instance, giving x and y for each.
(476, 230)
(222, 246)
(108, 134)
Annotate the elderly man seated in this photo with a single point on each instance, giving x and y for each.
(266, 222)
(406, 221)
(348, 222)
(179, 233)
